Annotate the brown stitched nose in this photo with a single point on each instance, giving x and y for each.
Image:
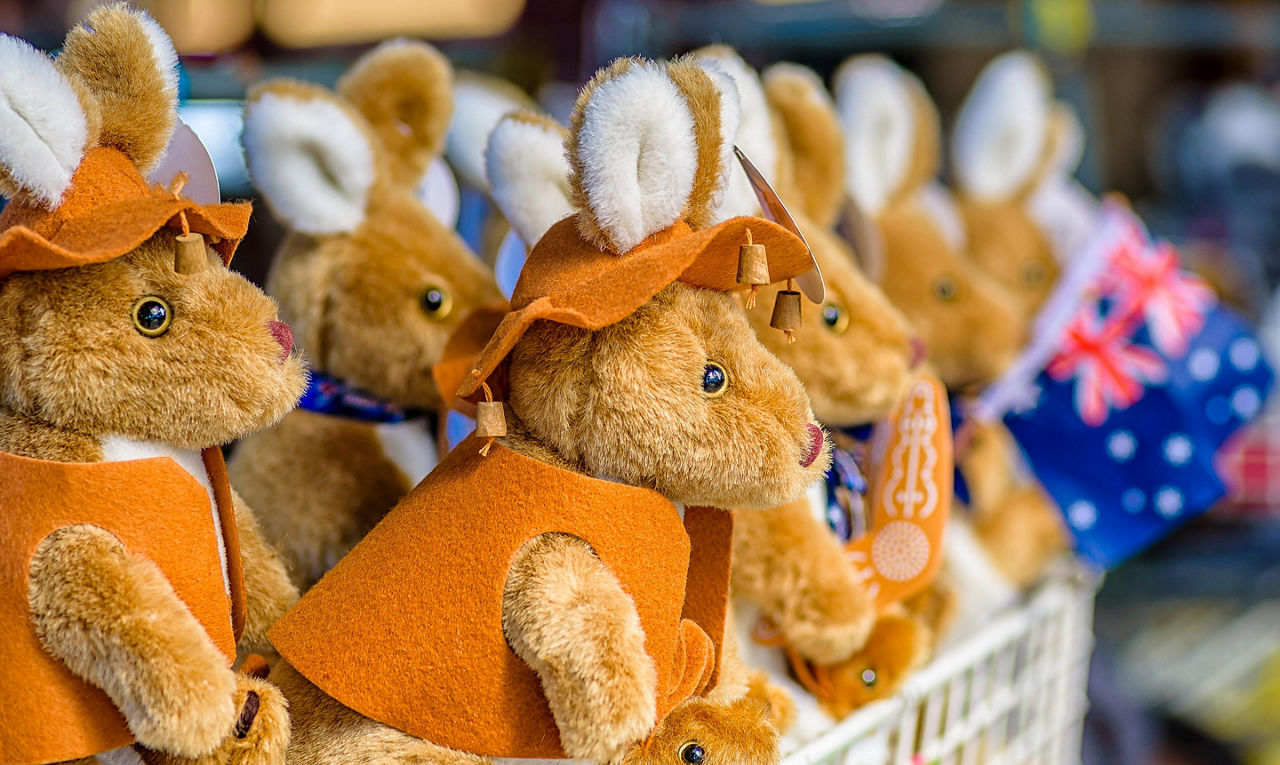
(284, 336)
(918, 352)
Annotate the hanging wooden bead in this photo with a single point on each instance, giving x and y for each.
(190, 255)
(491, 422)
(753, 268)
(786, 312)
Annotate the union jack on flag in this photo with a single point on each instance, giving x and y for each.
(1110, 371)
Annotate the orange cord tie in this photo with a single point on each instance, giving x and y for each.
(175, 188)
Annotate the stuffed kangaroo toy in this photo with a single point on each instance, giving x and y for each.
(908, 230)
(129, 571)
(1013, 150)
(539, 595)
(801, 606)
(373, 282)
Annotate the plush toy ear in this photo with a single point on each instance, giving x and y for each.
(755, 135)
(633, 154)
(310, 155)
(528, 173)
(404, 90)
(479, 102)
(1066, 141)
(128, 63)
(712, 95)
(812, 136)
(438, 192)
(999, 141)
(43, 129)
(891, 131)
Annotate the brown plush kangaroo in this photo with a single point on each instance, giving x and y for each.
(373, 282)
(129, 571)
(543, 600)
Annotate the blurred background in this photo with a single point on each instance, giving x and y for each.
(1181, 107)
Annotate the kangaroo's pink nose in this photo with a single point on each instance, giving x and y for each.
(284, 336)
(816, 441)
(918, 352)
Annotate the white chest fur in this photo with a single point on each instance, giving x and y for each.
(411, 446)
(121, 449)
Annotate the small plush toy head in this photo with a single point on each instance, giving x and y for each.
(907, 230)
(898, 644)
(856, 352)
(372, 277)
(1013, 151)
(701, 732)
(625, 350)
(109, 326)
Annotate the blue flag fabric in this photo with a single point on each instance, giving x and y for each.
(1148, 377)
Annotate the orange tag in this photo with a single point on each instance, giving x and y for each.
(910, 498)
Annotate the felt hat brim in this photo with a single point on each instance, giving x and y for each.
(570, 281)
(109, 211)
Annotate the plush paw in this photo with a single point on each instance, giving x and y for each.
(826, 626)
(189, 718)
(259, 734)
(898, 644)
(700, 732)
(781, 707)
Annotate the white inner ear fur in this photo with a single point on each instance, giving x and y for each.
(637, 154)
(311, 161)
(42, 126)
(162, 51)
(999, 137)
(941, 208)
(1066, 212)
(754, 136)
(438, 192)
(528, 176)
(1068, 148)
(476, 111)
(874, 102)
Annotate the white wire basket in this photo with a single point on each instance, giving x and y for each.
(1012, 693)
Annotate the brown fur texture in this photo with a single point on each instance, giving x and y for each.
(404, 90)
(579, 390)
(810, 175)
(784, 566)
(728, 733)
(1010, 246)
(624, 402)
(75, 361)
(355, 303)
(136, 95)
(74, 369)
(602, 686)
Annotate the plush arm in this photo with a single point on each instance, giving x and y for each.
(793, 569)
(113, 618)
(268, 591)
(565, 614)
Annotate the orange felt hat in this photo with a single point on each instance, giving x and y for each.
(571, 281)
(108, 210)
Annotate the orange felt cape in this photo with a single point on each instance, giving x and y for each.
(157, 510)
(407, 628)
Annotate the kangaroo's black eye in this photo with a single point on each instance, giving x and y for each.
(152, 316)
(946, 288)
(714, 380)
(692, 753)
(1034, 274)
(436, 303)
(835, 318)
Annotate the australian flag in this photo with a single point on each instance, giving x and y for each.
(1136, 378)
